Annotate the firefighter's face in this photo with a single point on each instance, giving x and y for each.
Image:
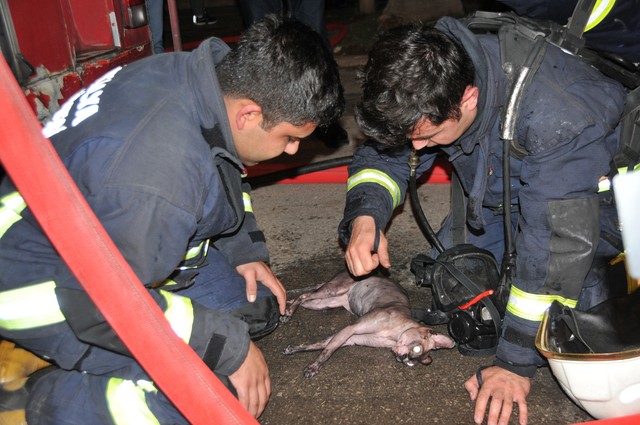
(426, 134)
(253, 143)
(260, 145)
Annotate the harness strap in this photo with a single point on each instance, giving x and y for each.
(58, 205)
(475, 289)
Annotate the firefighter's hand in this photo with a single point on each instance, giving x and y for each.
(259, 271)
(504, 388)
(252, 381)
(361, 259)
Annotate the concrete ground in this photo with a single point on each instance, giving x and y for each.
(362, 385)
(358, 385)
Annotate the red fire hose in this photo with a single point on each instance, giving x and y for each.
(36, 170)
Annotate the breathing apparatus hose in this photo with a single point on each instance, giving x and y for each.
(292, 172)
(451, 268)
(421, 219)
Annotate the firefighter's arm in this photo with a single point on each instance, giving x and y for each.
(153, 235)
(246, 250)
(247, 244)
(377, 185)
(558, 229)
(373, 189)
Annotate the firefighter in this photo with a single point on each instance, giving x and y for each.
(158, 148)
(441, 90)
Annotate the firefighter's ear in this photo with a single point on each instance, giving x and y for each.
(248, 114)
(470, 98)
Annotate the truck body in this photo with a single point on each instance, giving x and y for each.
(57, 47)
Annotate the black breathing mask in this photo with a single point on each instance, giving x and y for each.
(463, 281)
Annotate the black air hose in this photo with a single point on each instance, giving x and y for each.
(292, 172)
(421, 219)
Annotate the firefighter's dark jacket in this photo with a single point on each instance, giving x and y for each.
(150, 148)
(567, 124)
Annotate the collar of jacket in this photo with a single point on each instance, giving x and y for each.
(490, 85)
(214, 122)
(490, 80)
(209, 99)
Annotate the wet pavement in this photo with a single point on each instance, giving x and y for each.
(358, 385)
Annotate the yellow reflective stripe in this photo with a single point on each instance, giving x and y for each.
(11, 206)
(370, 175)
(30, 307)
(127, 404)
(532, 306)
(194, 251)
(605, 184)
(168, 282)
(600, 11)
(179, 313)
(246, 198)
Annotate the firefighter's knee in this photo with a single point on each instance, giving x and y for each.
(262, 316)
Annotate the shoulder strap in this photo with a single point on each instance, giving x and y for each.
(520, 74)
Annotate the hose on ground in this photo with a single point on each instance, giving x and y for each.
(289, 173)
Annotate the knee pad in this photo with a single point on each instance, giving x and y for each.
(262, 316)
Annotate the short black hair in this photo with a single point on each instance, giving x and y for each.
(283, 66)
(413, 72)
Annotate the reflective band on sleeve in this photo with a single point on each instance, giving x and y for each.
(11, 206)
(30, 307)
(605, 184)
(370, 175)
(179, 313)
(532, 306)
(168, 282)
(600, 11)
(195, 251)
(127, 403)
(246, 198)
